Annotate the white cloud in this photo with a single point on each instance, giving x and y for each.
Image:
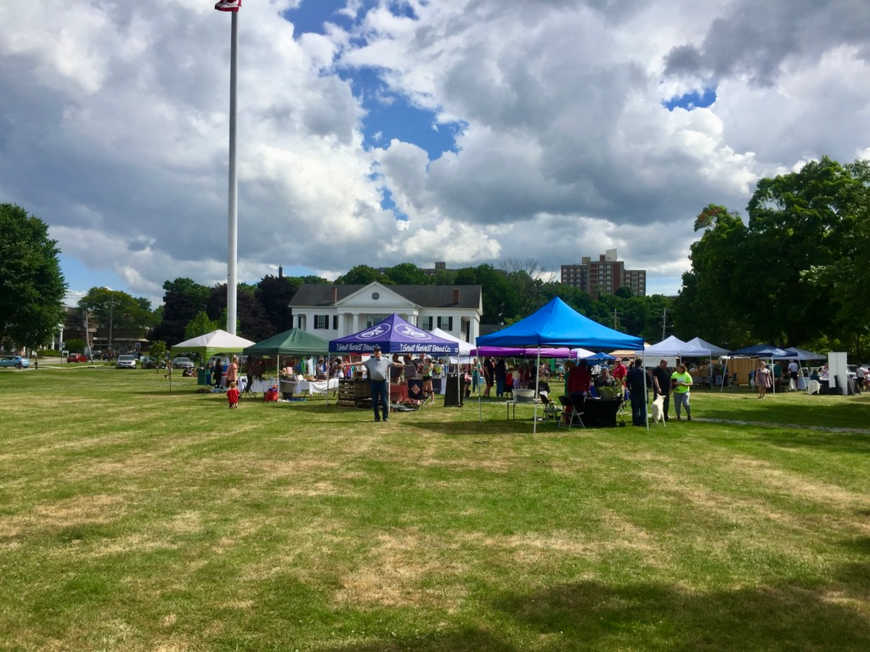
(113, 128)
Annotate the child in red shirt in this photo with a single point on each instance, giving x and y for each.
(233, 395)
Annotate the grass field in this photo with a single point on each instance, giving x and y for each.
(131, 518)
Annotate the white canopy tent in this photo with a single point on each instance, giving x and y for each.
(217, 341)
(699, 344)
(465, 348)
(670, 347)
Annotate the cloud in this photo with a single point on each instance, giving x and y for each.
(755, 40)
(113, 128)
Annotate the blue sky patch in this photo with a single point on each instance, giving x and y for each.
(388, 204)
(390, 115)
(691, 100)
(311, 14)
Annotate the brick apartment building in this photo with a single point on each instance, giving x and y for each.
(604, 276)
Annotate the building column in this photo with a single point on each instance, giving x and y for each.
(354, 323)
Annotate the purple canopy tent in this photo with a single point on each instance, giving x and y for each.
(393, 335)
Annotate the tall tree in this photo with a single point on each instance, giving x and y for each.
(709, 304)
(274, 294)
(118, 311)
(361, 275)
(182, 299)
(32, 286)
(199, 325)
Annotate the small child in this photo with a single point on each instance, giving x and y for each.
(233, 395)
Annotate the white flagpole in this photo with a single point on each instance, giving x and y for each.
(233, 227)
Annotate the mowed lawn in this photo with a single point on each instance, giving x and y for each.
(133, 519)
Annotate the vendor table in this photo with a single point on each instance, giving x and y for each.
(600, 413)
(309, 387)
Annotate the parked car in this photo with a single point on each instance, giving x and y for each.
(126, 362)
(77, 357)
(14, 361)
(181, 362)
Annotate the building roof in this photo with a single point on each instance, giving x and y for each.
(427, 296)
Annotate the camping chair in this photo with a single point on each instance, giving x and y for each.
(574, 410)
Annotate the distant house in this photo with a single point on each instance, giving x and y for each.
(337, 310)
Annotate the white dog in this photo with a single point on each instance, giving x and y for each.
(658, 410)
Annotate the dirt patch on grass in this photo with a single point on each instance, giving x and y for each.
(81, 509)
(731, 509)
(396, 573)
(796, 485)
(494, 466)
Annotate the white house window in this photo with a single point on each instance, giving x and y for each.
(321, 322)
(429, 322)
(376, 295)
(300, 322)
(448, 321)
(335, 322)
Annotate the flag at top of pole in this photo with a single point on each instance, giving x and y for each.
(228, 5)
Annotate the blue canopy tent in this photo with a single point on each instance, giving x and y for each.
(558, 324)
(599, 357)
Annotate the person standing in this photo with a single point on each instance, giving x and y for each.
(378, 371)
(488, 375)
(763, 380)
(619, 373)
(635, 381)
(793, 375)
(682, 381)
(233, 371)
(662, 385)
(500, 377)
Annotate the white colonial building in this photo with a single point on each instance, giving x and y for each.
(332, 311)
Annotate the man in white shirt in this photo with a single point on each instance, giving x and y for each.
(378, 369)
(793, 375)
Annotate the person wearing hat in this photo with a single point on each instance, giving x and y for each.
(378, 369)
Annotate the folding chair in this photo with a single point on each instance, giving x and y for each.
(574, 410)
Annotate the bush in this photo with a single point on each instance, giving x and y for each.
(75, 345)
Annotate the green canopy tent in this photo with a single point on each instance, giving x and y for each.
(294, 342)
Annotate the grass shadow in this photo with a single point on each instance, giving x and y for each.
(591, 614)
(468, 639)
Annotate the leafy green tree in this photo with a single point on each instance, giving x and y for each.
(75, 345)
(199, 325)
(252, 320)
(158, 351)
(183, 298)
(709, 304)
(407, 274)
(32, 286)
(274, 295)
(361, 275)
(118, 311)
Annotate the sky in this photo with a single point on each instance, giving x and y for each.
(378, 132)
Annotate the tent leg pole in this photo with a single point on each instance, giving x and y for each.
(479, 394)
(724, 376)
(537, 372)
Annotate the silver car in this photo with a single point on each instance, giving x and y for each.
(126, 362)
(182, 362)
